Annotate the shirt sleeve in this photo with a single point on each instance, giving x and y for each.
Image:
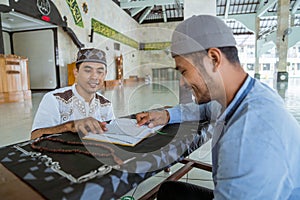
(47, 114)
(187, 112)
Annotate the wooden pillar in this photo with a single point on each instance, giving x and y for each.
(282, 39)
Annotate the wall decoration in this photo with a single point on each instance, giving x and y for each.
(43, 6)
(85, 8)
(117, 46)
(75, 12)
(154, 45)
(106, 31)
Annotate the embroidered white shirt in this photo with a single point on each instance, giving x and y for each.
(65, 104)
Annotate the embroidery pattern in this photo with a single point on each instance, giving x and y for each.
(71, 106)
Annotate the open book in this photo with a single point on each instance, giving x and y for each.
(123, 131)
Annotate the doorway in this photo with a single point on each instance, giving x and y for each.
(36, 40)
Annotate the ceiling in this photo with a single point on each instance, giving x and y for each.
(154, 11)
(14, 21)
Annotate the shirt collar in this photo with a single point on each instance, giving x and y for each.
(238, 97)
(78, 95)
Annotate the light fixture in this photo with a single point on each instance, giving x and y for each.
(46, 18)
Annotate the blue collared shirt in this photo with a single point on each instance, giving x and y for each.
(255, 144)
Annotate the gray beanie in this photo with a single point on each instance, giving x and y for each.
(201, 32)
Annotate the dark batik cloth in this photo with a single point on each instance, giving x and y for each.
(152, 155)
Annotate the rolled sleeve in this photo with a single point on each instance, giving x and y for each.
(187, 112)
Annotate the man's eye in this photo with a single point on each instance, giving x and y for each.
(87, 71)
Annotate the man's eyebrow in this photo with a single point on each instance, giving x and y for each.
(90, 67)
(103, 68)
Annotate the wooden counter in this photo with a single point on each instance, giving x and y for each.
(14, 79)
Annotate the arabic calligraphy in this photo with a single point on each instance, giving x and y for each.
(75, 12)
(106, 31)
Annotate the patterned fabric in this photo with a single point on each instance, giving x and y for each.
(65, 104)
(152, 155)
(91, 55)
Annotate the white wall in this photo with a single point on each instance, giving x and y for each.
(38, 47)
(6, 42)
(158, 32)
(107, 12)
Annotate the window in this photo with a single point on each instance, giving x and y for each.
(250, 66)
(266, 66)
(298, 66)
(268, 52)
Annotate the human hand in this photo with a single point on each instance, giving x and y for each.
(89, 124)
(153, 118)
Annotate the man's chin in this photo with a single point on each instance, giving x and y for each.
(200, 101)
(93, 90)
(196, 101)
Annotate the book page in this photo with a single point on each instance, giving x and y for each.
(125, 126)
(123, 131)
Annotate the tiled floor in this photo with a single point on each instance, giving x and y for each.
(16, 119)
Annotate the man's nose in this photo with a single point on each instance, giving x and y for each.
(94, 74)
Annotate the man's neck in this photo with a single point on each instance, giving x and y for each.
(234, 86)
(86, 96)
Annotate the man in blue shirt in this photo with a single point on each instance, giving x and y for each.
(255, 140)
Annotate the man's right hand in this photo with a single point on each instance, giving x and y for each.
(89, 124)
(153, 118)
(84, 126)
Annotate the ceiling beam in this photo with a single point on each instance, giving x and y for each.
(269, 14)
(144, 15)
(227, 9)
(135, 11)
(295, 7)
(264, 8)
(147, 3)
(261, 4)
(248, 20)
(164, 13)
(274, 14)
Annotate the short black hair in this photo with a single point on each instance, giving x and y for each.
(77, 65)
(231, 54)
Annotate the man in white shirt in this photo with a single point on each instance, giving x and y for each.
(77, 108)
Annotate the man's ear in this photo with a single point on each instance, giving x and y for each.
(215, 55)
(75, 72)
